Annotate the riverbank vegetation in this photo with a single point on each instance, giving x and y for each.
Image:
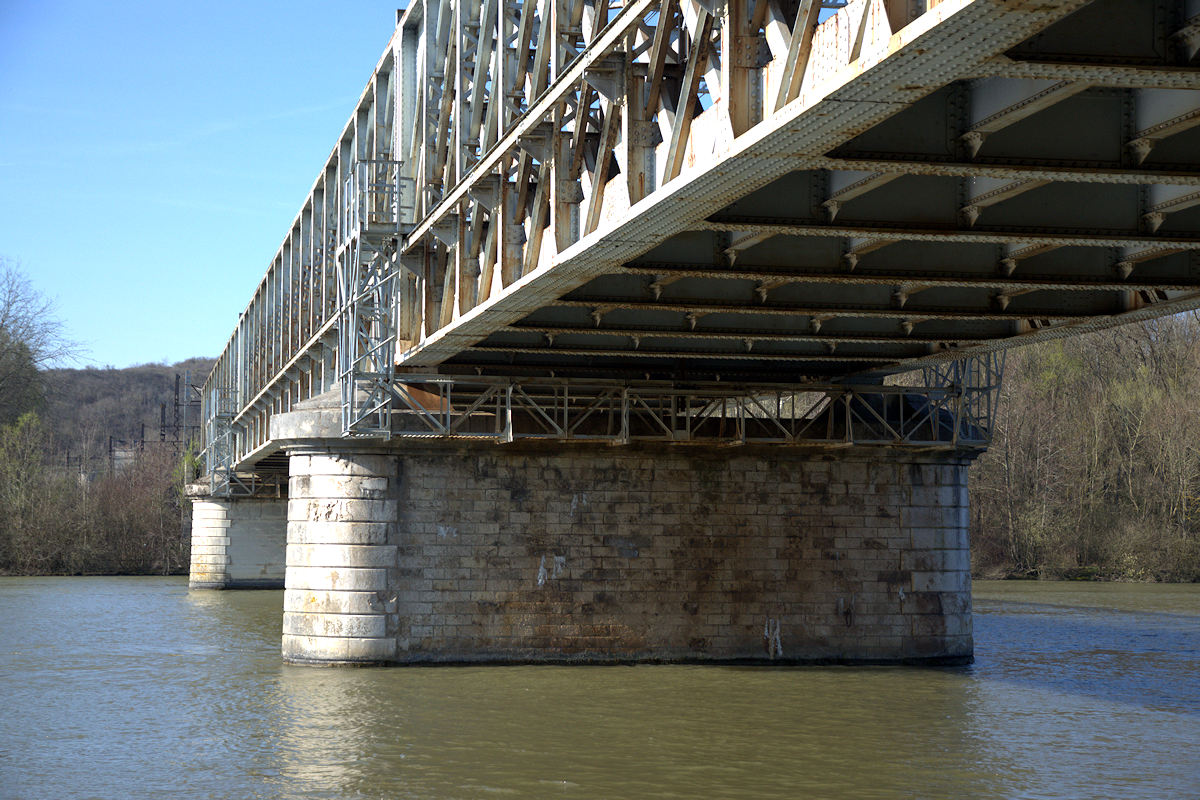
(90, 482)
(92, 472)
(131, 520)
(1094, 471)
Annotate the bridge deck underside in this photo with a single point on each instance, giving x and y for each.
(777, 286)
(941, 180)
(994, 211)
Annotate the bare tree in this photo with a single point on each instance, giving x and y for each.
(1095, 466)
(28, 319)
(31, 337)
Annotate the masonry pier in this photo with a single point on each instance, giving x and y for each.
(237, 542)
(424, 552)
(341, 603)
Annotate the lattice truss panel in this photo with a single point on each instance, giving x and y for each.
(952, 406)
(537, 125)
(753, 191)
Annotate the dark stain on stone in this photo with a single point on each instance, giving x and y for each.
(518, 494)
(915, 475)
(626, 546)
(924, 603)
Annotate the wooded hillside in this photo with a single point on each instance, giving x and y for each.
(85, 407)
(70, 503)
(1095, 467)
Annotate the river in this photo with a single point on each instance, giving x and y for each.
(138, 688)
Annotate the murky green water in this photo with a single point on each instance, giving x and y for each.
(138, 688)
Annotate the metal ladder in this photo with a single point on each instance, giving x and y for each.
(377, 208)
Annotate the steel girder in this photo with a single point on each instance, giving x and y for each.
(744, 190)
(952, 407)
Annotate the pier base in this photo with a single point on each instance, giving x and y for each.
(343, 574)
(237, 543)
(577, 553)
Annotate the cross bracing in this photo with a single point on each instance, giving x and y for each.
(950, 410)
(753, 191)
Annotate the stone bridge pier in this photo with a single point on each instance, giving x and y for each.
(237, 542)
(424, 552)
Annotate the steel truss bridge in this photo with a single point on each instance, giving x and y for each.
(723, 221)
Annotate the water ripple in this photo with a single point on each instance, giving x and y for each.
(132, 688)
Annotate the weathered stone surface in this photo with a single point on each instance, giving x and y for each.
(211, 560)
(351, 625)
(936, 560)
(338, 649)
(341, 559)
(337, 509)
(237, 543)
(350, 579)
(350, 487)
(324, 532)
(340, 602)
(362, 464)
(341, 555)
(941, 581)
(600, 554)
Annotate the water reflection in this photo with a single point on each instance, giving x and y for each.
(139, 688)
(630, 731)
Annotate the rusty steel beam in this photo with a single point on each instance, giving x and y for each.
(506, 154)
(951, 408)
(1054, 330)
(1120, 76)
(841, 98)
(639, 352)
(828, 311)
(717, 334)
(916, 233)
(910, 165)
(930, 278)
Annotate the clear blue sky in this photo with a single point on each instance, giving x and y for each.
(154, 154)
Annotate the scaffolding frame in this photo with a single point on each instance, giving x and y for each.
(954, 409)
(377, 208)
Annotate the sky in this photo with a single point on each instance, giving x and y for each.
(154, 154)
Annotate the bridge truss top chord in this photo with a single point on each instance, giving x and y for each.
(779, 192)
